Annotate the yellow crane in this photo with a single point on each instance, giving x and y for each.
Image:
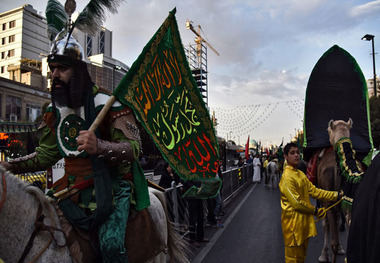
(199, 67)
(199, 39)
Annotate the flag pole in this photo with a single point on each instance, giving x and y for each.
(102, 113)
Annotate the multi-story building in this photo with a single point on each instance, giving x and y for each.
(23, 40)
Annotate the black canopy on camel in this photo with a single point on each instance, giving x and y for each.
(337, 90)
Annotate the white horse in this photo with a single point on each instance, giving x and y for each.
(21, 205)
(273, 173)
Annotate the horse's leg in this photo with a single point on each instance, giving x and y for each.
(325, 255)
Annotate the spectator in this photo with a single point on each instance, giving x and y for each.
(256, 169)
(196, 216)
(240, 162)
(168, 176)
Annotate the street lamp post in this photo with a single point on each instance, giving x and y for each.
(369, 37)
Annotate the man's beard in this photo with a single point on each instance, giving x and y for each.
(62, 96)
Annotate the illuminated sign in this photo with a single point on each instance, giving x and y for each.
(4, 136)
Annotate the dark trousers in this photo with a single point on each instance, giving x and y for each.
(196, 219)
(210, 208)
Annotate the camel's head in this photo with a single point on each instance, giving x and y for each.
(339, 129)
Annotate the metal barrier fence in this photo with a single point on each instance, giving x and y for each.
(35, 176)
(233, 181)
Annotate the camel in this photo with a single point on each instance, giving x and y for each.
(351, 169)
(362, 192)
(328, 178)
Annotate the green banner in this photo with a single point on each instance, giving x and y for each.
(165, 98)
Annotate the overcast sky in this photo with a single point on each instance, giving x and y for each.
(267, 51)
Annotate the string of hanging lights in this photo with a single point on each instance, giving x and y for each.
(244, 120)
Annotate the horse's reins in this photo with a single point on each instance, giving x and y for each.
(40, 226)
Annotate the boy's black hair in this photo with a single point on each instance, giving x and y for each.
(288, 146)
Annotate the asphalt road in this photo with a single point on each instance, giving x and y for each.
(252, 232)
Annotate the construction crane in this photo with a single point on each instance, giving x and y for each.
(198, 60)
(199, 39)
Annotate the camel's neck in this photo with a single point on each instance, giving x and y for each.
(350, 167)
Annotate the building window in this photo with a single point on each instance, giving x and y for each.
(12, 24)
(32, 112)
(102, 41)
(4, 26)
(2, 69)
(11, 53)
(11, 39)
(13, 109)
(3, 55)
(89, 45)
(3, 41)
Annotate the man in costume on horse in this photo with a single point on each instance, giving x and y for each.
(297, 215)
(105, 161)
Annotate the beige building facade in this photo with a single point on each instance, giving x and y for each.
(21, 102)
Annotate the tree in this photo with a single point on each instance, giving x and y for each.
(374, 106)
(16, 146)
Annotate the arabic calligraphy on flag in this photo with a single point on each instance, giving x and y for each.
(166, 100)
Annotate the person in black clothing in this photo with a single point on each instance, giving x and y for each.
(168, 176)
(240, 162)
(196, 216)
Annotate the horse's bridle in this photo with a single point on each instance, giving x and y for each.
(38, 226)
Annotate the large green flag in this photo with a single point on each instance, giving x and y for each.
(161, 90)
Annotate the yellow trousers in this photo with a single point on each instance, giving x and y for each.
(296, 254)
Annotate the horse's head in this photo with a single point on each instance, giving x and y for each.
(338, 129)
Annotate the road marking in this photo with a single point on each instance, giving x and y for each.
(199, 258)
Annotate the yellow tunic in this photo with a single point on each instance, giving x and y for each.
(297, 215)
(265, 165)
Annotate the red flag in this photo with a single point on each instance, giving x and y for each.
(247, 149)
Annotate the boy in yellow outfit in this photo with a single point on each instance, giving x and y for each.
(297, 215)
